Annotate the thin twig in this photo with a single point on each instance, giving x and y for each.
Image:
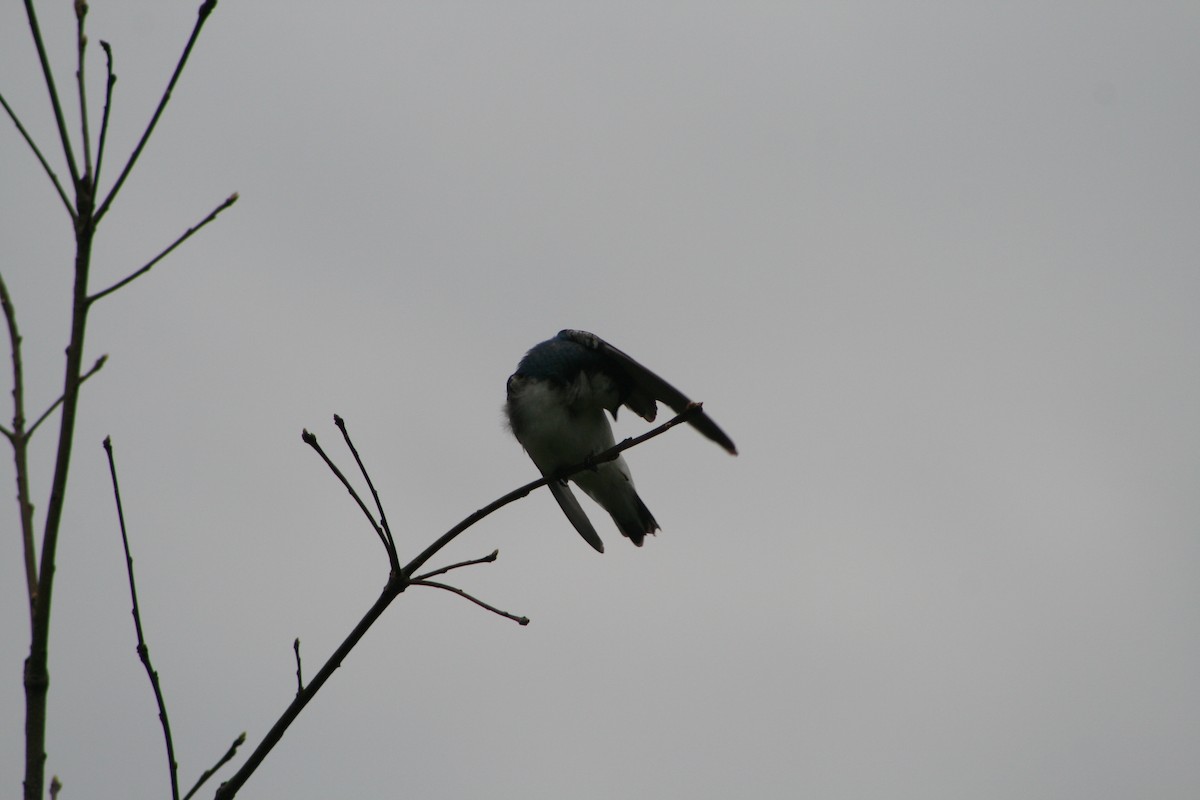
(222, 761)
(389, 542)
(81, 9)
(206, 8)
(142, 650)
(19, 438)
(299, 677)
(475, 600)
(95, 368)
(311, 440)
(41, 158)
(233, 198)
(489, 558)
(516, 494)
(108, 92)
(52, 90)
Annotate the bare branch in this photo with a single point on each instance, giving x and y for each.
(475, 600)
(100, 362)
(81, 9)
(142, 650)
(48, 74)
(41, 158)
(206, 8)
(311, 440)
(233, 198)
(222, 761)
(230, 788)
(389, 542)
(489, 558)
(19, 438)
(108, 92)
(299, 677)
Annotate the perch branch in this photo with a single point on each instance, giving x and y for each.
(398, 582)
(230, 788)
(142, 650)
(182, 238)
(516, 494)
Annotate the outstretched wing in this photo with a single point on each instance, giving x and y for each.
(645, 388)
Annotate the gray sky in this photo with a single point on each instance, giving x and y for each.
(933, 266)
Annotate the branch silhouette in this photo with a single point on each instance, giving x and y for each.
(99, 365)
(399, 580)
(206, 8)
(109, 83)
(62, 194)
(79, 197)
(19, 438)
(435, 584)
(222, 761)
(183, 237)
(143, 650)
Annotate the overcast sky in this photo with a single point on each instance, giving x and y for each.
(933, 266)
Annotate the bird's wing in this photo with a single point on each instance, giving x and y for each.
(646, 388)
(570, 506)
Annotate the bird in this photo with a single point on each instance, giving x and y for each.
(555, 408)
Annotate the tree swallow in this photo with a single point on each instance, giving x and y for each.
(556, 404)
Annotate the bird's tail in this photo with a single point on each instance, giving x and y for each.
(634, 519)
(612, 488)
(570, 506)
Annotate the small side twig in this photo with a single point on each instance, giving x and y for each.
(19, 438)
(108, 93)
(142, 650)
(389, 542)
(95, 368)
(206, 8)
(310, 439)
(222, 761)
(299, 677)
(51, 89)
(81, 9)
(41, 158)
(489, 558)
(183, 237)
(475, 600)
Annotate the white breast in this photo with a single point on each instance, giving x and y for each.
(560, 426)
